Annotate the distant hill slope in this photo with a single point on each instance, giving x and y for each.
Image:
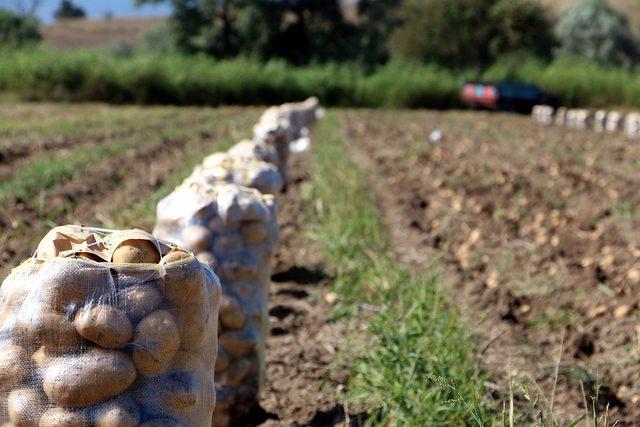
(96, 32)
(630, 7)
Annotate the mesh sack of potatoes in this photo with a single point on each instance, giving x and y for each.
(257, 174)
(248, 150)
(282, 125)
(108, 328)
(235, 230)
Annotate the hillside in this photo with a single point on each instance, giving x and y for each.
(96, 32)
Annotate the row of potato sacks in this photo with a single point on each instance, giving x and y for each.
(600, 120)
(226, 214)
(108, 328)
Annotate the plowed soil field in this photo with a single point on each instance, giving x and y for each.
(537, 234)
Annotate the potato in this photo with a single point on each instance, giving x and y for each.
(193, 322)
(61, 417)
(139, 300)
(230, 314)
(43, 356)
(238, 343)
(238, 371)
(255, 232)
(25, 407)
(104, 325)
(121, 412)
(196, 237)
(14, 365)
(70, 282)
(89, 378)
(184, 283)
(173, 394)
(221, 419)
(156, 342)
(40, 324)
(222, 362)
(175, 256)
(136, 251)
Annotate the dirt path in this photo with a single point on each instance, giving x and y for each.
(533, 248)
(303, 381)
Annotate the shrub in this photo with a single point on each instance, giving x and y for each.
(17, 30)
(594, 30)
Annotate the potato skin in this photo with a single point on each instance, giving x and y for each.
(139, 300)
(172, 395)
(136, 251)
(58, 417)
(184, 283)
(87, 379)
(14, 364)
(121, 412)
(193, 322)
(156, 342)
(41, 324)
(25, 407)
(104, 325)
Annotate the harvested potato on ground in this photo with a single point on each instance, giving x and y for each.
(136, 252)
(104, 325)
(25, 407)
(139, 300)
(89, 378)
(61, 417)
(156, 342)
(14, 365)
(121, 412)
(39, 323)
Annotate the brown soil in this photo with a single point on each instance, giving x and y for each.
(304, 382)
(539, 236)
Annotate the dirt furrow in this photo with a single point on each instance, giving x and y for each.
(536, 263)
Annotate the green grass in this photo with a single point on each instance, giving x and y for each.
(415, 364)
(46, 73)
(46, 171)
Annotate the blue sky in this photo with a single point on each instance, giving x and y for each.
(94, 8)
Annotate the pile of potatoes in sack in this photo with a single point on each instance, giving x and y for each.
(108, 328)
(600, 121)
(225, 213)
(120, 328)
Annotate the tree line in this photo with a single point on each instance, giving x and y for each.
(456, 34)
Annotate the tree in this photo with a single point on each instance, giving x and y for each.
(297, 30)
(68, 10)
(16, 30)
(594, 30)
(463, 33)
(377, 19)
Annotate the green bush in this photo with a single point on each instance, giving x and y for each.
(16, 30)
(92, 75)
(594, 30)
